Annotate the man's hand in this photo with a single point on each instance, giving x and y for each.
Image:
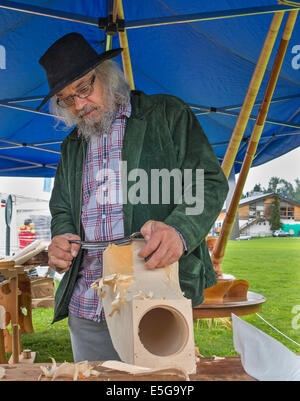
(61, 252)
(163, 241)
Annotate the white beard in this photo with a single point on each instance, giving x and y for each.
(95, 125)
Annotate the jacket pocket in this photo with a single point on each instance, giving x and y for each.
(192, 278)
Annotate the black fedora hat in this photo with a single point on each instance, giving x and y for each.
(68, 59)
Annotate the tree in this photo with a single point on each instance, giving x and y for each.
(257, 188)
(297, 190)
(281, 187)
(273, 185)
(275, 223)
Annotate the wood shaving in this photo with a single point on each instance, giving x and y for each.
(119, 284)
(218, 358)
(49, 372)
(197, 353)
(76, 371)
(2, 372)
(116, 306)
(142, 371)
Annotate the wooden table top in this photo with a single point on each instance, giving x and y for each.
(208, 369)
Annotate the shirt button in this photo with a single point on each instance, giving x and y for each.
(104, 216)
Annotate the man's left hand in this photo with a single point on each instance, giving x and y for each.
(163, 241)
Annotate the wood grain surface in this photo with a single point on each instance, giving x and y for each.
(208, 369)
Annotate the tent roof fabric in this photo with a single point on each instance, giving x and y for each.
(208, 62)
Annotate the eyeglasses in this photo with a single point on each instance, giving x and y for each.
(82, 93)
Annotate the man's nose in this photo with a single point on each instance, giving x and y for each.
(79, 103)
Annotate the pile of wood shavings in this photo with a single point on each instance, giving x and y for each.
(79, 370)
(119, 284)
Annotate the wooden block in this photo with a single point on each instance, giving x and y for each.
(150, 311)
(7, 265)
(163, 334)
(24, 358)
(42, 288)
(41, 259)
(29, 252)
(43, 303)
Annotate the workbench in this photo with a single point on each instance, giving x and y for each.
(208, 369)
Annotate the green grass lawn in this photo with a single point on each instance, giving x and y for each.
(271, 265)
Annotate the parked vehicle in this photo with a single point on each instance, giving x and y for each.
(281, 233)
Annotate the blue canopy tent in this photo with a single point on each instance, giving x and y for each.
(203, 52)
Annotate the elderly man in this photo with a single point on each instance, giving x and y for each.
(92, 198)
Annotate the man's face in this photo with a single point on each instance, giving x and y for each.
(89, 109)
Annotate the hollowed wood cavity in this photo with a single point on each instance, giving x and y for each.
(163, 331)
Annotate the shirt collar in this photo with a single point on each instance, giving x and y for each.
(124, 111)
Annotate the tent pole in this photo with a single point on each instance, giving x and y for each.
(127, 67)
(219, 250)
(252, 117)
(112, 11)
(29, 110)
(252, 92)
(209, 16)
(210, 109)
(178, 19)
(49, 13)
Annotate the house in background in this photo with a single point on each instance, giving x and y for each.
(255, 211)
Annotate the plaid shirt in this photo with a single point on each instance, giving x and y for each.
(102, 213)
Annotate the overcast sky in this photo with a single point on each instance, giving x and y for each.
(287, 167)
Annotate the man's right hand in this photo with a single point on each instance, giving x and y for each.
(61, 252)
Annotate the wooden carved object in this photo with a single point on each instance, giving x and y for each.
(226, 290)
(149, 319)
(2, 328)
(25, 302)
(27, 253)
(9, 300)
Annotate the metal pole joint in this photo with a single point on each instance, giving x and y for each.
(110, 26)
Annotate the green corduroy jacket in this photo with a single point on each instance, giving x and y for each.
(161, 133)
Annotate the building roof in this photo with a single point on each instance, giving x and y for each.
(255, 197)
(260, 196)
